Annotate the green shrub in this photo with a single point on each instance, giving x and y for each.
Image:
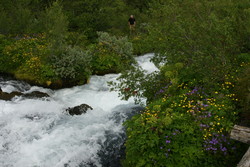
(77, 39)
(142, 45)
(106, 62)
(111, 54)
(27, 59)
(72, 65)
(120, 45)
(23, 49)
(135, 83)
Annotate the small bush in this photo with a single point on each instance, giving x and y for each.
(77, 39)
(142, 45)
(26, 58)
(72, 64)
(111, 54)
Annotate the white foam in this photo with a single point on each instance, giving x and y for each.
(145, 64)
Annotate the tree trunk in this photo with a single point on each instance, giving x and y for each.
(245, 161)
(240, 133)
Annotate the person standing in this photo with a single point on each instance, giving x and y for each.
(131, 23)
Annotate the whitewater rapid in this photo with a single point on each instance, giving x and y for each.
(39, 133)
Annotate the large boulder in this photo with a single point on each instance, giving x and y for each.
(78, 110)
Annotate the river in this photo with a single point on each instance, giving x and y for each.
(38, 132)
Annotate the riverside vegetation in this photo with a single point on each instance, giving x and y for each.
(201, 48)
(51, 55)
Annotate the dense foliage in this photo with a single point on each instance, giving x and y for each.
(193, 102)
(25, 57)
(187, 128)
(202, 50)
(111, 54)
(50, 55)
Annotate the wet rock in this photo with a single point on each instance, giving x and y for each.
(78, 110)
(35, 94)
(8, 96)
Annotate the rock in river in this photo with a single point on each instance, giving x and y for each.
(9, 96)
(78, 110)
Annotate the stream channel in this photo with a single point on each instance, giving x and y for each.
(37, 132)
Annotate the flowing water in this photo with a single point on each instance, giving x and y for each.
(38, 132)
